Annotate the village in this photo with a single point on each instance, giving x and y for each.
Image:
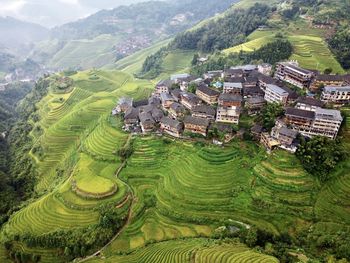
(211, 107)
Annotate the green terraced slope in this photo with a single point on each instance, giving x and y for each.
(193, 250)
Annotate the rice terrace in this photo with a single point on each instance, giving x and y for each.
(175, 131)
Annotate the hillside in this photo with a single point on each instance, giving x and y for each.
(110, 35)
(303, 24)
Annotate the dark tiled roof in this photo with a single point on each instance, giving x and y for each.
(204, 109)
(300, 113)
(305, 71)
(288, 132)
(254, 100)
(252, 90)
(222, 127)
(146, 118)
(310, 101)
(190, 97)
(235, 80)
(257, 129)
(330, 78)
(131, 113)
(233, 71)
(176, 93)
(165, 82)
(208, 91)
(196, 121)
(177, 107)
(172, 123)
(228, 97)
(140, 103)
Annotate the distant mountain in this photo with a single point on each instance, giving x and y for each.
(18, 36)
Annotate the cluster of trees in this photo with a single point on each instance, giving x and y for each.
(17, 175)
(269, 114)
(224, 32)
(320, 155)
(339, 44)
(278, 50)
(151, 67)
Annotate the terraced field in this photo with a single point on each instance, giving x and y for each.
(193, 250)
(79, 144)
(310, 50)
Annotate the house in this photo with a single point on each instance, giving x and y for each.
(204, 111)
(176, 93)
(131, 117)
(265, 69)
(171, 127)
(228, 114)
(185, 82)
(274, 93)
(251, 82)
(177, 110)
(255, 104)
(321, 122)
(291, 72)
(256, 132)
(167, 99)
(196, 125)
(189, 100)
(233, 87)
(212, 74)
(230, 100)
(327, 80)
(154, 101)
(285, 137)
(207, 94)
(263, 81)
(147, 122)
(176, 78)
(268, 141)
(232, 73)
(154, 111)
(139, 103)
(309, 104)
(124, 104)
(163, 86)
(336, 95)
(249, 92)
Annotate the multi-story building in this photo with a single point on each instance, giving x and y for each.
(233, 87)
(230, 100)
(293, 74)
(255, 104)
(189, 100)
(207, 94)
(228, 114)
(177, 110)
(322, 122)
(232, 73)
(327, 80)
(274, 93)
(265, 69)
(171, 127)
(335, 94)
(196, 125)
(308, 103)
(167, 99)
(204, 111)
(163, 86)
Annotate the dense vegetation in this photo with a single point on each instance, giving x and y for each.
(320, 156)
(340, 46)
(278, 50)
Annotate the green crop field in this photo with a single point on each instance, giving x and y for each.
(192, 250)
(77, 53)
(194, 189)
(310, 49)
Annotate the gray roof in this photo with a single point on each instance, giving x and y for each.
(177, 107)
(300, 113)
(146, 117)
(190, 97)
(234, 85)
(328, 114)
(172, 123)
(254, 100)
(288, 132)
(296, 68)
(165, 82)
(277, 89)
(227, 97)
(235, 80)
(329, 89)
(330, 77)
(131, 113)
(196, 121)
(204, 109)
(310, 101)
(208, 91)
(166, 97)
(176, 93)
(140, 103)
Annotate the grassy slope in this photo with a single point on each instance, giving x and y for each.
(77, 53)
(193, 250)
(310, 49)
(80, 138)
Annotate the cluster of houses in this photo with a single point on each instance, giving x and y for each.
(185, 105)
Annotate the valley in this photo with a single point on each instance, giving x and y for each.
(98, 193)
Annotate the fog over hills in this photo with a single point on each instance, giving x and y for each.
(56, 12)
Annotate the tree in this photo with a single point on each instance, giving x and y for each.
(195, 59)
(269, 114)
(320, 155)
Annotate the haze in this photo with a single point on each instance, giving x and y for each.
(50, 13)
